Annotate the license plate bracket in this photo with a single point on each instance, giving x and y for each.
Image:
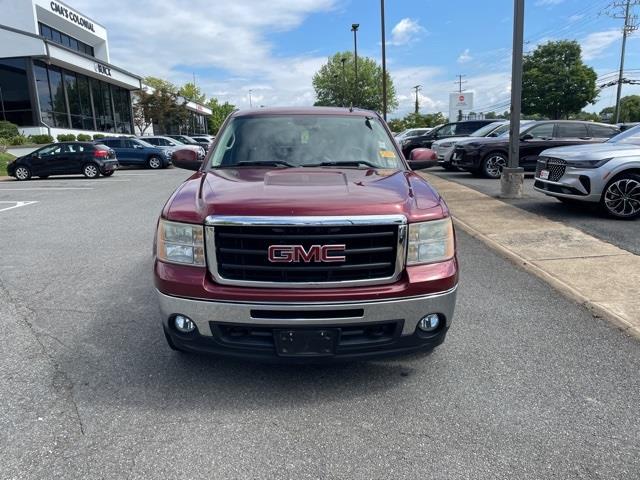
(544, 174)
(306, 342)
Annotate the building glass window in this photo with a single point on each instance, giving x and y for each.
(15, 101)
(111, 107)
(64, 39)
(58, 99)
(85, 102)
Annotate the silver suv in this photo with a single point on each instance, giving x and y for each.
(606, 173)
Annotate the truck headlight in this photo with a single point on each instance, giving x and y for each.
(430, 242)
(180, 243)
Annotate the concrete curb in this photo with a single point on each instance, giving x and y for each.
(583, 268)
(556, 283)
(4, 179)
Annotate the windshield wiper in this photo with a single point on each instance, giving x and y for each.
(346, 163)
(267, 163)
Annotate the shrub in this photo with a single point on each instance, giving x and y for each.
(98, 136)
(83, 137)
(8, 130)
(67, 137)
(18, 140)
(41, 139)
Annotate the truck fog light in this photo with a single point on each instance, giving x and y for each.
(183, 324)
(429, 323)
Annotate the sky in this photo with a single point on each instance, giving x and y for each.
(274, 47)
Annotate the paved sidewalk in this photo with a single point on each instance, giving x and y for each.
(597, 274)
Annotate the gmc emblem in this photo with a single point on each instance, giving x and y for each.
(297, 253)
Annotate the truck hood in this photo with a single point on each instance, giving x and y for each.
(598, 151)
(304, 192)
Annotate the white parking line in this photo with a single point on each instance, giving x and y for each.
(17, 205)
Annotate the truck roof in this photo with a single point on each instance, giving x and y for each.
(355, 112)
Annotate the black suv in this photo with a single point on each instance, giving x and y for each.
(65, 158)
(488, 156)
(453, 129)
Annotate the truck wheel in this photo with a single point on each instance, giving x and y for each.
(493, 164)
(621, 197)
(154, 163)
(91, 170)
(22, 173)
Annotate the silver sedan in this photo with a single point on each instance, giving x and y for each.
(606, 173)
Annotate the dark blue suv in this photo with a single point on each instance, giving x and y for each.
(137, 153)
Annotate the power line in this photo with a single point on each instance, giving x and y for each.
(615, 10)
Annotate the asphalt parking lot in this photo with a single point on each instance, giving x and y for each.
(527, 384)
(587, 218)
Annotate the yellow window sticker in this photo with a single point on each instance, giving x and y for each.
(387, 154)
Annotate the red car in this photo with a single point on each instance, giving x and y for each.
(304, 236)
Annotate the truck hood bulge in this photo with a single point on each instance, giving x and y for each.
(304, 192)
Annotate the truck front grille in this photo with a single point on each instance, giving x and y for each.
(241, 254)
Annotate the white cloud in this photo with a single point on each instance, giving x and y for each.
(465, 56)
(490, 89)
(597, 43)
(547, 3)
(231, 39)
(575, 18)
(406, 31)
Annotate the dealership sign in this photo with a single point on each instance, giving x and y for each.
(102, 69)
(461, 101)
(71, 15)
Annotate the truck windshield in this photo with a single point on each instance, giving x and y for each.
(305, 141)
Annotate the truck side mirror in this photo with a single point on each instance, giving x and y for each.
(187, 159)
(422, 158)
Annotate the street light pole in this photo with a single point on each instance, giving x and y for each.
(512, 178)
(384, 64)
(354, 29)
(250, 103)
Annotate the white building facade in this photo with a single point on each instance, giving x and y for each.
(56, 76)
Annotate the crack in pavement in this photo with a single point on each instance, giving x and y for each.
(60, 381)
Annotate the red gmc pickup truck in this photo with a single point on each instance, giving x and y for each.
(304, 236)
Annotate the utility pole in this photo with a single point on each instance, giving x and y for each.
(512, 178)
(384, 64)
(630, 25)
(460, 82)
(354, 29)
(417, 88)
(250, 103)
(344, 84)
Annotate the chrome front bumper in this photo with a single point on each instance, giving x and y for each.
(410, 310)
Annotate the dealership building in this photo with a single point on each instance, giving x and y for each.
(56, 75)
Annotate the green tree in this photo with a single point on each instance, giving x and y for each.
(161, 106)
(630, 108)
(335, 84)
(396, 125)
(556, 83)
(417, 120)
(192, 92)
(220, 111)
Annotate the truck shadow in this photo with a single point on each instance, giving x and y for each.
(133, 365)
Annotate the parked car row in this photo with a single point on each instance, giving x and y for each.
(101, 157)
(574, 161)
(488, 156)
